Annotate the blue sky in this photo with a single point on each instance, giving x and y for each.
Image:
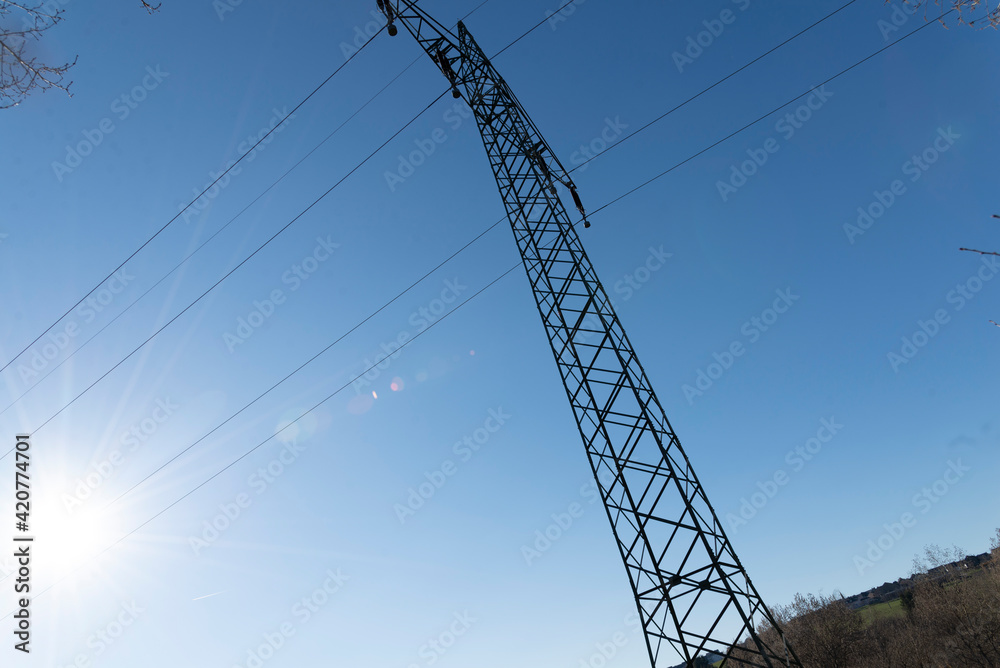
(697, 269)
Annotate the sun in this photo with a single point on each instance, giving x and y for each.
(68, 537)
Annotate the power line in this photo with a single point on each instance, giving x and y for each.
(215, 234)
(534, 27)
(321, 352)
(242, 262)
(463, 248)
(705, 90)
(186, 207)
(206, 241)
(778, 108)
(309, 361)
(659, 118)
(358, 325)
(494, 281)
(508, 271)
(88, 388)
(491, 227)
(474, 10)
(261, 444)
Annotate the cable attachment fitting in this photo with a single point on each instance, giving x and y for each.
(441, 58)
(535, 154)
(386, 8)
(579, 204)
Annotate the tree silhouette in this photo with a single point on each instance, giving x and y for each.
(978, 13)
(21, 72)
(907, 601)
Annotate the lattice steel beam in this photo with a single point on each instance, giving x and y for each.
(691, 590)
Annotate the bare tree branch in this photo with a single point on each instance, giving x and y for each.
(21, 72)
(973, 250)
(22, 24)
(966, 9)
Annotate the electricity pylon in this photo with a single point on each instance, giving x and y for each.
(690, 588)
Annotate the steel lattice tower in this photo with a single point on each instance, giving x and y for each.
(689, 585)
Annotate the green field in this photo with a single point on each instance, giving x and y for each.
(870, 613)
(889, 609)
